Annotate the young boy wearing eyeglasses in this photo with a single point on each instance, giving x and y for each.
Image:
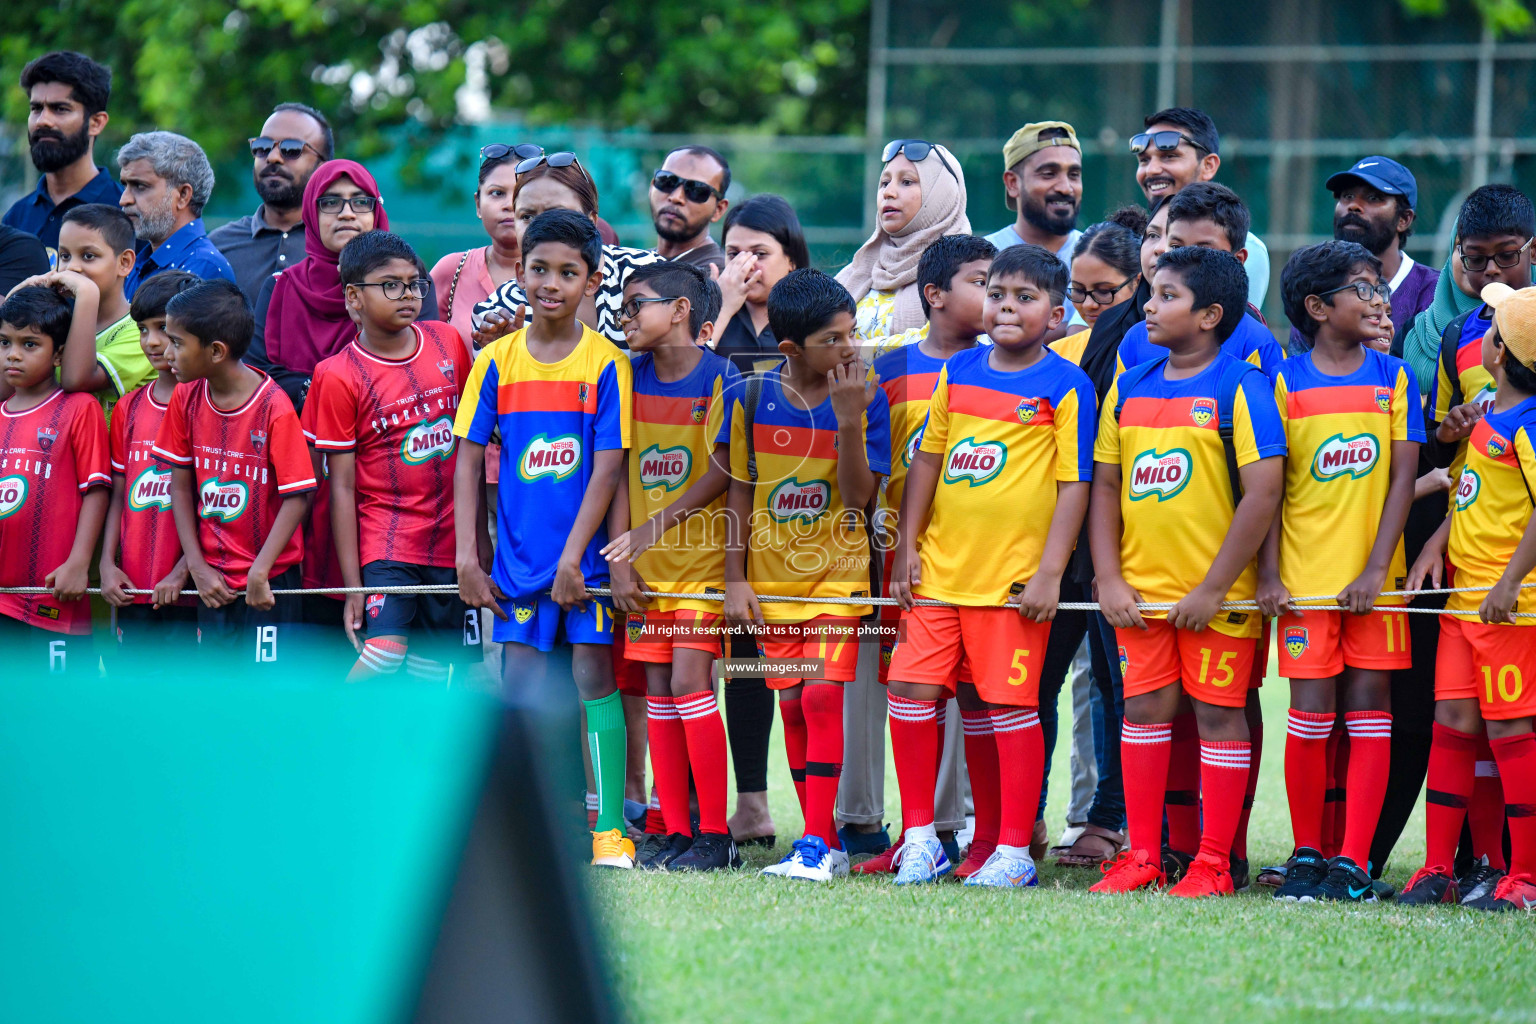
(381, 412)
(1353, 426)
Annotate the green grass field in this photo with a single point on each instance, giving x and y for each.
(742, 947)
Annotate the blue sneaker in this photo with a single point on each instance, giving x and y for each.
(1003, 871)
(858, 843)
(813, 861)
(922, 860)
(635, 812)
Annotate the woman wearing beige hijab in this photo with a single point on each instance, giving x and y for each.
(920, 199)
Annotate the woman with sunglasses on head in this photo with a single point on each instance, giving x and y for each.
(557, 181)
(763, 242)
(920, 198)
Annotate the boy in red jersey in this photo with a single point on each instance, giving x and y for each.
(139, 549)
(1354, 422)
(1485, 671)
(240, 476)
(1190, 467)
(680, 467)
(1008, 442)
(54, 481)
(381, 410)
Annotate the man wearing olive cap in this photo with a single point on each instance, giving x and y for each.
(1043, 182)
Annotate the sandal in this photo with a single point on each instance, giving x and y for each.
(1068, 837)
(1095, 846)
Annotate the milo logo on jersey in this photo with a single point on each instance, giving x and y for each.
(1160, 475)
(1345, 456)
(1296, 640)
(224, 501)
(151, 489)
(793, 500)
(428, 440)
(974, 462)
(666, 468)
(556, 457)
(13, 492)
(1484, 397)
(1468, 488)
(909, 449)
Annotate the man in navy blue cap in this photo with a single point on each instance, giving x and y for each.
(1374, 203)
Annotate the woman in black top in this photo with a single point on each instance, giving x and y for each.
(763, 243)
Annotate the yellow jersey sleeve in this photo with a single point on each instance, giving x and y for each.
(1073, 424)
(936, 429)
(1403, 392)
(1443, 388)
(738, 442)
(1106, 448)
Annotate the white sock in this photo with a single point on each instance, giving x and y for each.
(921, 832)
(1016, 852)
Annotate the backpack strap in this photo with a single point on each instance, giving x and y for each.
(749, 414)
(1450, 341)
(1227, 386)
(454, 286)
(1131, 378)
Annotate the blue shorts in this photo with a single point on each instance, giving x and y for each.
(537, 622)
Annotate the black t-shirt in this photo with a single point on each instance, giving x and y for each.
(21, 256)
(750, 350)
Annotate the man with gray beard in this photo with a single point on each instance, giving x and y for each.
(166, 183)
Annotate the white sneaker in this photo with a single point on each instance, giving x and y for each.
(1006, 871)
(922, 860)
(791, 859)
(815, 862)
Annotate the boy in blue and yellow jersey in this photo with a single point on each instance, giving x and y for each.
(1353, 424)
(675, 489)
(1485, 665)
(998, 490)
(809, 444)
(560, 396)
(1190, 468)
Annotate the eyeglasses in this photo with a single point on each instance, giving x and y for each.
(359, 204)
(523, 151)
(291, 149)
(1166, 141)
(1477, 264)
(631, 308)
(917, 151)
(554, 160)
(1365, 289)
(1103, 296)
(395, 289)
(694, 191)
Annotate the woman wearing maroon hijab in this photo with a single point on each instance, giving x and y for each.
(301, 318)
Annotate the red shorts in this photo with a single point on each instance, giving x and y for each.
(890, 616)
(831, 639)
(627, 673)
(652, 636)
(1321, 642)
(1260, 656)
(1004, 650)
(1215, 668)
(1493, 664)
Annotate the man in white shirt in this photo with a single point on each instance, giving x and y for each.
(1043, 182)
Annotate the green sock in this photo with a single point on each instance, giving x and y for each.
(607, 740)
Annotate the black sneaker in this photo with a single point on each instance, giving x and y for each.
(658, 855)
(1347, 882)
(709, 852)
(1477, 885)
(1429, 885)
(1239, 871)
(1175, 864)
(1304, 872)
(1384, 889)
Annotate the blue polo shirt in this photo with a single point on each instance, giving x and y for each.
(187, 249)
(37, 213)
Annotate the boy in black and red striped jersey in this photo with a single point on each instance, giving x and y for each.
(240, 476)
(382, 411)
(139, 549)
(53, 490)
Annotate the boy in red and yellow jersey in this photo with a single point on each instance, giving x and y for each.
(801, 483)
(1485, 669)
(1179, 513)
(999, 487)
(1353, 423)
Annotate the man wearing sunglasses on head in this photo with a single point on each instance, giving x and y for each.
(1181, 145)
(687, 196)
(294, 141)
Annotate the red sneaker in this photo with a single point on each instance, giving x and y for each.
(975, 857)
(881, 863)
(1133, 869)
(1514, 892)
(1204, 878)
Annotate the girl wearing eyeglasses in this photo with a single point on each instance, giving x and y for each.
(920, 198)
(1106, 268)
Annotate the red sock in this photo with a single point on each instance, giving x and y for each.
(914, 746)
(706, 756)
(1448, 790)
(655, 823)
(1020, 769)
(981, 762)
(1517, 769)
(823, 704)
(1223, 780)
(669, 762)
(793, 714)
(1183, 797)
(1144, 753)
(1333, 791)
(1306, 774)
(1256, 742)
(1485, 814)
(1370, 760)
